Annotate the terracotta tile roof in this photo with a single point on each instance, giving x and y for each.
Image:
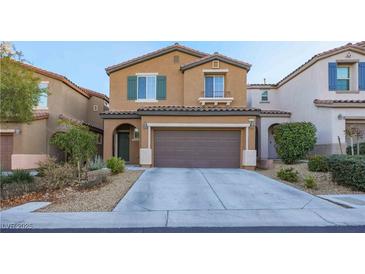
(122, 112)
(83, 91)
(319, 56)
(216, 56)
(195, 108)
(40, 114)
(59, 77)
(266, 111)
(361, 44)
(77, 121)
(154, 54)
(328, 102)
(261, 86)
(96, 94)
(357, 47)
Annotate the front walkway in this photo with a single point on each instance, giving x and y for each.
(198, 198)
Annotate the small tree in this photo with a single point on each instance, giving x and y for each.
(19, 90)
(352, 132)
(294, 140)
(77, 142)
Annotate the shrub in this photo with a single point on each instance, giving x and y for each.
(310, 182)
(17, 183)
(294, 140)
(17, 176)
(96, 164)
(348, 170)
(116, 165)
(318, 163)
(362, 149)
(54, 175)
(288, 174)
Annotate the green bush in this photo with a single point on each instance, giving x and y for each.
(348, 170)
(17, 176)
(96, 164)
(310, 182)
(288, 174)
(294, 140)
(362, 149)
(318, 163)
(116, 165)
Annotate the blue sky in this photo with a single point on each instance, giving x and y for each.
(84, 62)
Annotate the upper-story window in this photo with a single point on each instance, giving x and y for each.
(43, 99)
(214, 86)
(146, 87)
(343, 78)
(265, 96)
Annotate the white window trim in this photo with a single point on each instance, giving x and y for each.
(147, 100)
(215, 70)
(95, 107)
(146, 73)
(348, 79)
(267, 96)
(214, 86)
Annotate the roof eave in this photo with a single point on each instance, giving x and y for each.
(138, 60)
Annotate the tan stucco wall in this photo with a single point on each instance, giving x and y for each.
(109, 128)
(182, 88)
(163, 65)
(93, 117)
(62, 99)
(31, 139)
(234, 83)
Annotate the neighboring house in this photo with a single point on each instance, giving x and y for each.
(24, 145)
(328, 90)
(178, 107)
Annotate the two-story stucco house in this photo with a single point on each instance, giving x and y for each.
(23, 145)
(178, 107)
(328, 90)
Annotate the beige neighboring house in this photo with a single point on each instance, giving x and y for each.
(24, 145)
(179, 107)
(328, 90)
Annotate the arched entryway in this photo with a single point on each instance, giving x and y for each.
(126, 143)
(271, 142)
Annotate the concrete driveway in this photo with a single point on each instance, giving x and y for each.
(178, 189)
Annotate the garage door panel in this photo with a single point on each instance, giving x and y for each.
(194, 148)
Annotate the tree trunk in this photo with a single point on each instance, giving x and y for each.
(358, 145)
(78, 171)
(352, 145)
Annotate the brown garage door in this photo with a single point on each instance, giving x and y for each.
(197, 148)
(6, 149)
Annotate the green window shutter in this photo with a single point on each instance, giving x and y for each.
(161, 88)
(132, 87)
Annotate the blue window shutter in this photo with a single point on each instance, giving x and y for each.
(209, 86)
(332, 76)
(362, 76)
(161, 88)
(132, 88)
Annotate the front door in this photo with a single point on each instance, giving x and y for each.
(272, 144)
(123, 145)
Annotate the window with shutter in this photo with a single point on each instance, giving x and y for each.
(362, 76)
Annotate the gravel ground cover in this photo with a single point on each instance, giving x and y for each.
(103, 198)
(323, 180)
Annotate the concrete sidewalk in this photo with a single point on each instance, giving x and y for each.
(325, 217)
